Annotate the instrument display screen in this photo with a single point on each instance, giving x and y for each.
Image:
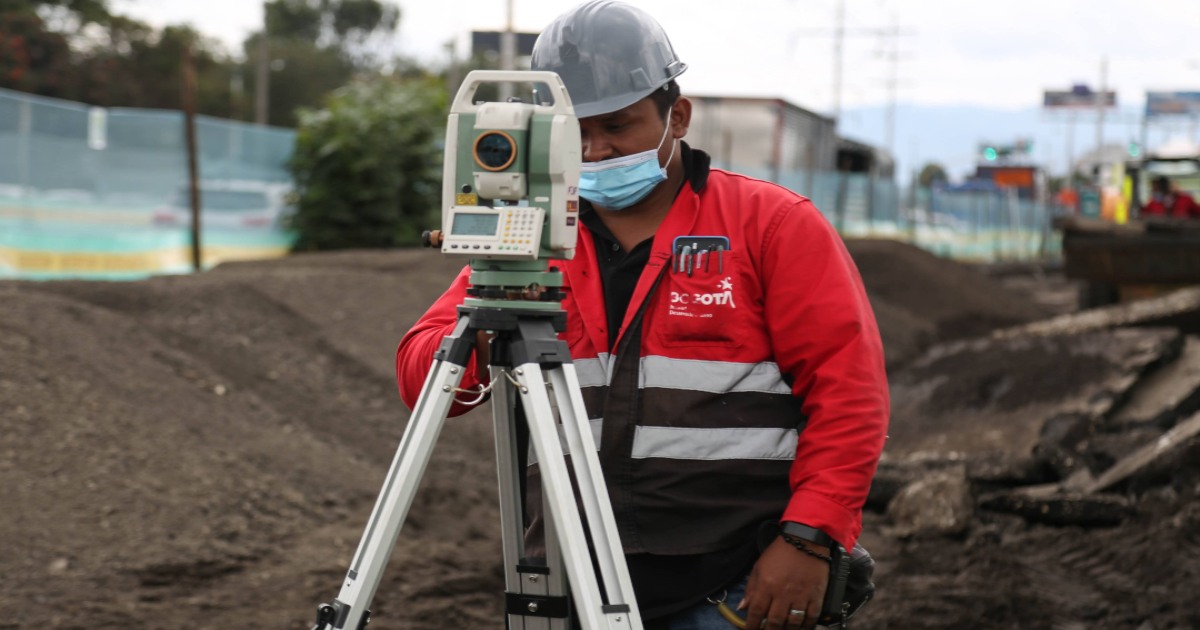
(474, 224)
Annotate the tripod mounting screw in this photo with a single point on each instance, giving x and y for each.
(532, 607)
(445, 388)
(533, 578)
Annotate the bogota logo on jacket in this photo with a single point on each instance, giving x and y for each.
(684, 303)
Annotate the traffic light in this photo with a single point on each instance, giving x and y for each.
(1135, 150)
(990, 154)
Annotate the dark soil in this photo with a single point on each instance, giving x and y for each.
(919, 299)
(204, 451)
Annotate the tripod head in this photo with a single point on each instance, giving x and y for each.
(510, 189)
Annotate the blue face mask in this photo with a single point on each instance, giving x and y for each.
(617, 183)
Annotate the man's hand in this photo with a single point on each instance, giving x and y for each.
(786, 579)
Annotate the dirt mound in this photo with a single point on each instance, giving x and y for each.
(1009, 574)
(920, 299)
(164, 440)
(205, 450)
(1076, 441)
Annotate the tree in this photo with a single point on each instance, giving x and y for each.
(367, 167)
(34, 59)
(140, 67)
(36, 56)
(931, 174)
(78, 50)
(315, 47)
(330, 23)
(301, 75)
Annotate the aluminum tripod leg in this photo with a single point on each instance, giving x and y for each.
(529, 584)
(350, 609)
(615, 607)
(530, 344)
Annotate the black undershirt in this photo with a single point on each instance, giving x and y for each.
(620, 270)
(663, 584)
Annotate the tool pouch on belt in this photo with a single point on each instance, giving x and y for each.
(850, 586)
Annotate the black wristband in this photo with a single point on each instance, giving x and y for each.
(804, 532)
(802, 545)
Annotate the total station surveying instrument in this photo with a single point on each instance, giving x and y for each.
(510, 203)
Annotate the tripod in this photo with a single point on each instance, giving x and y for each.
(531, 365)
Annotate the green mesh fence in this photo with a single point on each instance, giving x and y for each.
(87, 192)
(91, 192)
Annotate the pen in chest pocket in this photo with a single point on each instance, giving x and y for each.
(694, 254)
(684, 255)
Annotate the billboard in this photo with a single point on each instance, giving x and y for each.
(1080, 96)
(1013, 177)
(1172, 104)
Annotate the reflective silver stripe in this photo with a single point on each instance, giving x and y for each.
(714, 444)
(597, 425)
(593, 372)
(712, 376)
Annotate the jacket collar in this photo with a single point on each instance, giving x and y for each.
(584, 277)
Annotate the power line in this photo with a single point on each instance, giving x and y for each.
(839, 33)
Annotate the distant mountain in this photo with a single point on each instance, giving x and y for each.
(951, 135)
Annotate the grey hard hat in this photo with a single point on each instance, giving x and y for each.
(609, 54)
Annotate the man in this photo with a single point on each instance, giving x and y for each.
(1166, 200)
(741, 389)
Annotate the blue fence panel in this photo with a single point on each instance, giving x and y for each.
(98, 193)
(93, 193)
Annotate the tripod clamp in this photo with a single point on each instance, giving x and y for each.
(334, 616)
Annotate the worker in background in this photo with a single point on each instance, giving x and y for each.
(724, 340)
(1166, 200)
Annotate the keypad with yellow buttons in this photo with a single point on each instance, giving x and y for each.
(520, 231)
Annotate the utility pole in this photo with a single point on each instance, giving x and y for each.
(1101, 104)
(1194, 64)
(189, 133)
(508, 52)
(892, 82)
(452, 78)
(1071, 150)
(263, 78)
(839, 33)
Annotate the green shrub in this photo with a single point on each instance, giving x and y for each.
(367, 167)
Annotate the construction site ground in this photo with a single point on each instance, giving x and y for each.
(203, 451)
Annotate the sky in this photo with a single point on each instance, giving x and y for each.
(960, 56)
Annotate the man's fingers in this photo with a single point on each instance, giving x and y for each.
(797, 617)
(756, 614)
(751, 587)
(813, 614)
(779, 616)
(774, 616)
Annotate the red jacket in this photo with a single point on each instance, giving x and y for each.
(1183, 206)
(758, 389)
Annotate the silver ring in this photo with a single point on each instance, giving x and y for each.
(798, 613)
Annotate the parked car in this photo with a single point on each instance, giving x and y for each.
(229, 205)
